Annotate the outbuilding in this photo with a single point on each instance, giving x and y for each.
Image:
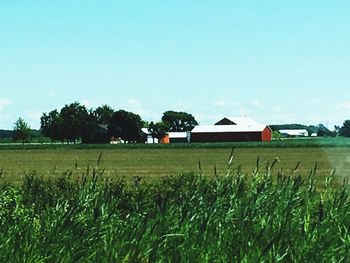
(241, 129)
(179, 137)
(294, 133)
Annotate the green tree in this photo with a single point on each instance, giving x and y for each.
(73, 121)
(179, 121)
(21, 131)
(89, 126)
(312, 129)
(345, 129)
(152, 130)
(158, 130)
(104, 114)
(51, 125)
(126, 125)
(276, 135)
(323, 131)
(336, 130)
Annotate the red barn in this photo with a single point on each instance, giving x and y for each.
(232, 130)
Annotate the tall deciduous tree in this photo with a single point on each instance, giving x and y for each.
(89, 126)
(158, 130)
(21, 131)
(126, 125)
(73, 120)
(51, 125)
(345, 129)
(152, 130)
(323, 131)
(104, 114)
(179, 121)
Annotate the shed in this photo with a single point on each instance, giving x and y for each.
(165, 139)
(178, 137)
(294, 133)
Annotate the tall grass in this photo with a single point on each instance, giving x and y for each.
(235, 217)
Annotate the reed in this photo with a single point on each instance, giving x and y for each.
(262, 216)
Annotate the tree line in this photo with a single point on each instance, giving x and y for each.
(75, 122)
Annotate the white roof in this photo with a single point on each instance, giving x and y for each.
(175, 135)
(295, 132)
(228, 128)
(171, 134)
(145, 130)
(243, 124)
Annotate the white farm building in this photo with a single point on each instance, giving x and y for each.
(295, 133)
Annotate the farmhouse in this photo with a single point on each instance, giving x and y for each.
(232, 130)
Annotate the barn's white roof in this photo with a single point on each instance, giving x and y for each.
(227, 128)
(243, 124)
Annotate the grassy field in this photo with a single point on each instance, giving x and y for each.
(153, 163)
(189, 218)
(247, 215)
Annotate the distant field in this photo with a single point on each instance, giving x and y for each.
(152, 163)
(284, 143)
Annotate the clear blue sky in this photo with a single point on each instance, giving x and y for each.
(274, 61)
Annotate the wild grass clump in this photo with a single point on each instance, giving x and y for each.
(236, 217)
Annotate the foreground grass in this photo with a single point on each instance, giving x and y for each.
(235, 217)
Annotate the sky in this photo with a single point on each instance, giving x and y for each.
(273, 61)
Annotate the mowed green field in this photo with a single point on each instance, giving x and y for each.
(154, 163)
